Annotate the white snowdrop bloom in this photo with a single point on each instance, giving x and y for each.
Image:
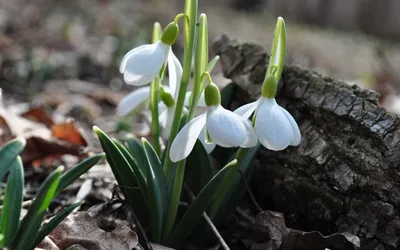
(142, 94)
(142, 64)
(275, 127)
(224, 128)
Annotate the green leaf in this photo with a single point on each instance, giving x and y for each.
(139, 179)
(74, 173)
(136, 150)
(47, 228)
(13, 198)
(156, 191)
(237, 191)
(24, 238)
(193, 215)
(119, 165)
(155, 123)
(212, 64)
(198, 168)
(9, 152)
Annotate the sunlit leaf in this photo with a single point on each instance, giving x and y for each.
(156, 191)
(13, 198)
(25, 236)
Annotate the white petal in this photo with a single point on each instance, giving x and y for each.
(162, 118)
(295, 128)
(225, 127)
(169, 121)
(141, 65)
(133, 100)
(272, 127)
(208, 146)
(187, 98)
(175, 74)
(246, 110)
(200, 104)
(186, 138)
(252, 139)
(202, 101)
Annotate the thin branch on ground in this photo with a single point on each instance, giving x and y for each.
(209, 222)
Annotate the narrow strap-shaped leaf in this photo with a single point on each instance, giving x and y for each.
(238, 189)
(193, 215)
(136, 150)
(12, 201)
(139, 178)
(156, 191)
(47, 228)
(119, 165)
(198, 168)
(9, 152)
(24, 238)
(74, 173)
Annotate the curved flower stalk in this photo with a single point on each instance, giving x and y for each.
(222, 126)
(275, 127)
(142, 64)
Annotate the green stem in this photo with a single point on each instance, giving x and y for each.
(155, 123)
(191, 7)
(189, 31)
(175, 198)
(200, 64)
(227, 183)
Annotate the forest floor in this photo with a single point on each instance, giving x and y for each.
(60, 60)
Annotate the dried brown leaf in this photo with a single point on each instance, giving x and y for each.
(284, 238)
(80, 229)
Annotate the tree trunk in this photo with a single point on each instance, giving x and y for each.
(345, 174)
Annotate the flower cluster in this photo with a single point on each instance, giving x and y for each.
(183, 121)
(273, 126)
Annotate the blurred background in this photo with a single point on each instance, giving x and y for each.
(66, 53)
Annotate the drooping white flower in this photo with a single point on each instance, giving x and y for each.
(140, 97)
(224, 127)
(275, 127)
(142, 64)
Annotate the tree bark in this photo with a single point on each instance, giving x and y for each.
(345, 174)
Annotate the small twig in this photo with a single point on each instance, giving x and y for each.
(25, 204)
(250, 193)
(209, 222)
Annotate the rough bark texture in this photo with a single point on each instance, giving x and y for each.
(345, 174)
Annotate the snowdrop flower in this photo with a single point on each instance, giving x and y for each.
(275, 127)
(142, 95)
(222, 126)
(142, 64)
